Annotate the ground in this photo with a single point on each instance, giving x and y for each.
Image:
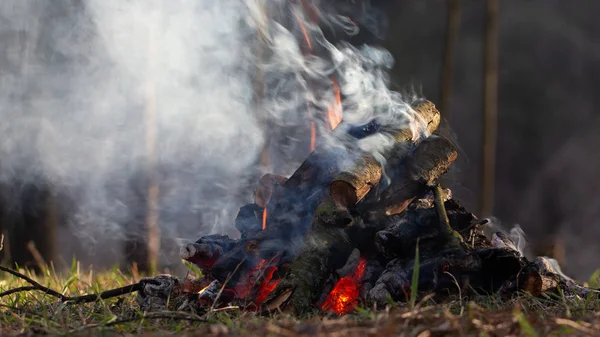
(33, 312)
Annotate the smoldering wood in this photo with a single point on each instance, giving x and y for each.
(249, 220)
(266, 185)
(206, 251)
(401, 231)
(373, 271)
(488, 270)
(437, 274)
(300, 195)
(328, 242)
(411, 178)
(327, 248)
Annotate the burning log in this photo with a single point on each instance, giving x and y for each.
(266, 185)
(291, 213)
(320, 239)
(327, 247)
(328, 244)
(249, 220)
(206, 251)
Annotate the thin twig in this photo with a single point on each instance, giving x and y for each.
(444, 221)
(71, 299)
(17, 290)
(212, 307)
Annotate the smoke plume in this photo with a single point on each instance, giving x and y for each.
(99, 96)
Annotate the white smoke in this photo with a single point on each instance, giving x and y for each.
(78, 81)
(513, 238)
(86, 84)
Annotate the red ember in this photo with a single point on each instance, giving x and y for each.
(343, 298)
(263, 273)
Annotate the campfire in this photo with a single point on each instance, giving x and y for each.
(347, 229)
(363, 219)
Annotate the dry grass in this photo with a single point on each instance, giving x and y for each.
(34, 312)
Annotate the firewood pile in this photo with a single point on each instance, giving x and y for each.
(350, 227)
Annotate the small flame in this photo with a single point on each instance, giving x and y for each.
(313, 136)
(259, 281)
(267, 286)
(304, 32)
(264, 219)
(334, 113)
(203, 289)
(343, 298)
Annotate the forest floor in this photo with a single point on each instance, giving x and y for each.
(33, 312)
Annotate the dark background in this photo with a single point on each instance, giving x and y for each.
(547, 161)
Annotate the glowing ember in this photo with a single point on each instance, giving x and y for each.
(264, 219)
(343, 298)
(266, 286)
(259, 281)
(334, 113)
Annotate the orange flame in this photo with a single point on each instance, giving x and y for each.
(334, 112)
(304, 32)
(313, 136)
(264, 219)
(203, 289)
(260, 279)
(343, 298)
(267, 285)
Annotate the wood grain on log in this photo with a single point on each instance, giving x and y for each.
(290, 213)
(427, 163)
(352, 184)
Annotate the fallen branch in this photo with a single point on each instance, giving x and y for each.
(67, 299)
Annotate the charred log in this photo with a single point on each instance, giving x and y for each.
(300, 195)
(266, 186)
(249, 220)
(327, 248)
(206, 251)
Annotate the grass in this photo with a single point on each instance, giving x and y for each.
(34, 312)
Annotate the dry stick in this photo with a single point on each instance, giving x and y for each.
(72, 299)
(17, 290)
(490, 108)
(212, 307)
(452, 30)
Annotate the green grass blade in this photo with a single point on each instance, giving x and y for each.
(414, 285)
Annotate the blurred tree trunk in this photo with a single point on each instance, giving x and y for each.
(452, 31)
(30, 222)
(142, 246)
(490, 109)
